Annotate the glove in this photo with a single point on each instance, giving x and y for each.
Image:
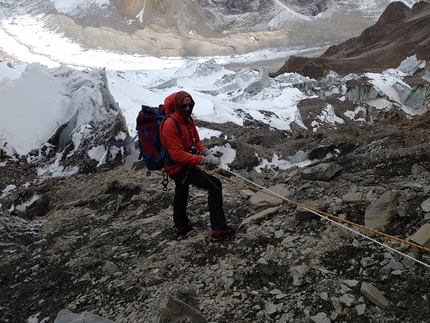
(206, 152)
(210, 160)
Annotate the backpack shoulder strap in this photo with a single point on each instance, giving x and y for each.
(178, 126)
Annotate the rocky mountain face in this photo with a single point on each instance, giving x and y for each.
(219, 16)
(400, 32)
(201, 28)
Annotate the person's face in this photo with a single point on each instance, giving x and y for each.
(187, 106)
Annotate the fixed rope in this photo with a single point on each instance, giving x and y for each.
(330, 217)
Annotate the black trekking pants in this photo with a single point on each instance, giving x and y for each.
(196, 177)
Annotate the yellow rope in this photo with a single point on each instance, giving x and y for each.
(321, 212)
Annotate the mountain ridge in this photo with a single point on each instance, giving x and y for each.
(177, 28)
(400, 32)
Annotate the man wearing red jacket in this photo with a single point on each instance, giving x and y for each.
(187, 151)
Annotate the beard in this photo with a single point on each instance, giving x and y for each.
(187, 113)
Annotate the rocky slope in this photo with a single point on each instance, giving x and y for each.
(102, 242)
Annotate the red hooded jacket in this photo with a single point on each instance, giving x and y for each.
(178, 145)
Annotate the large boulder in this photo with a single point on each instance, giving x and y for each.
(379, 213)
(267, 199)
(322, 172)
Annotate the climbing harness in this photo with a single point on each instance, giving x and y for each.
(330, 217)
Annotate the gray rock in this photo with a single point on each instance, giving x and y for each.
(270, 308)
(66, 316)
(173, 310)
(324, 296)
(379, 213)
(335, 301)
(262, 200)
(394, 265)
(303, 214)
(374, 295)
(348, 300)
(298, 274)
(361, 309)
(320, 318)
(352, 197)
(322, 172)
(425, 206)
(109, 268)
(261, 215)
(262, 261)
(351, 282)
(417, 170)
(246, 193)
(412, 185)
(422, 236)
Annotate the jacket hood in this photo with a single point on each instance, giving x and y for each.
(179, 97)
(168, 103)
